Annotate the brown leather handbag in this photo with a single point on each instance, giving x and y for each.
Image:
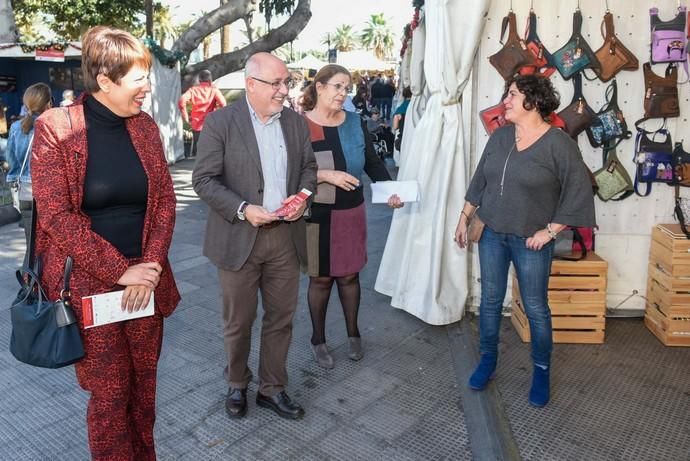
(613, 55)
(578, 116)
(514, 55)
(661, 93)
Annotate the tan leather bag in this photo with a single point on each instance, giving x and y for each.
(613, 55)
(514, 55)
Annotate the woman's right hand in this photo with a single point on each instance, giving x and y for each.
(146, 274)
(340, 179)
(461, 232)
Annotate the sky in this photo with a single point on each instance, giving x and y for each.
(326, 16)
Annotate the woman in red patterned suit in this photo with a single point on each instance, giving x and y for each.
(105, 197)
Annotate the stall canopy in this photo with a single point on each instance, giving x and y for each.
(308, 62)
(363, 60)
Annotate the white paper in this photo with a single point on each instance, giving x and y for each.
(107, 308)
(408, 191)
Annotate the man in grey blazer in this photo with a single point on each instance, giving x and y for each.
(253, 157)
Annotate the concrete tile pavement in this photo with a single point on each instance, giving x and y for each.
(400, 402)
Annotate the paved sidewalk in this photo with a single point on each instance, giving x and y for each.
(401, 402)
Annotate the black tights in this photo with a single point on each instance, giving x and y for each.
(320, 291)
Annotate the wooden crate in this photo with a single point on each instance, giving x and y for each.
(577, 298)
(670, 331)
(667, 314)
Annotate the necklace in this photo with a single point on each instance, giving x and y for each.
(505, 166)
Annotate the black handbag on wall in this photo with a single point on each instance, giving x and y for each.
(609, 123)
(44, 333)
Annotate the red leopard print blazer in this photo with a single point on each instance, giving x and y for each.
(58, 168)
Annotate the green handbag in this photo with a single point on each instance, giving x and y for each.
(613, 178)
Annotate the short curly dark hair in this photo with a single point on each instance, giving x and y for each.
(539, 93)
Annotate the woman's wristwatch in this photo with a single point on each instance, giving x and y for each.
(552, 234)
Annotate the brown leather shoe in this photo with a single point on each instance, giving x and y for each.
(281, 404)
(236, 403)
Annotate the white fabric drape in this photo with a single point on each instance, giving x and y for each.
(166, 86)
(422, 269)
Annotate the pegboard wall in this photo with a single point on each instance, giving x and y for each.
(624, 227)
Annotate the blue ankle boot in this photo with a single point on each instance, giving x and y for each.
(539, 394)
(483, 373)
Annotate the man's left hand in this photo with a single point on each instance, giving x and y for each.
(294, 216)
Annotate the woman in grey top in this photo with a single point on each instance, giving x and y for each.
(530, 184)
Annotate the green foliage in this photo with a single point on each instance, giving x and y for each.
(68, 19)
(344, 38)
(271, 8)
(378, 36)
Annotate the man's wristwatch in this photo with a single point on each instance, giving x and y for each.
(240, 211)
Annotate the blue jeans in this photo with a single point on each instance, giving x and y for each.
(496, 251)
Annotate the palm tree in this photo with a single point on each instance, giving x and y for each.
(377, 35)
(344, 38)
(163, 25)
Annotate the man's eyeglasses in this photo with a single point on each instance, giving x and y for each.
(288, 82)
(339, 87)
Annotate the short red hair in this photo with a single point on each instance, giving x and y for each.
(111, 52)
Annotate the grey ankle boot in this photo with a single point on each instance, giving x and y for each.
(355, 349)
(322, 356)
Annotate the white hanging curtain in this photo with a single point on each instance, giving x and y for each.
(422, 269)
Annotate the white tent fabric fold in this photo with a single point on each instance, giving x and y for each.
(422, 269)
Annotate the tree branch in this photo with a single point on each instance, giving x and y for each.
(209, 23)
(223, 64)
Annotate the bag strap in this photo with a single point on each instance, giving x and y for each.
(531, 33)
(577, 23)
(510, 24)
(608, 31)
(636, 152)
(26, 156)
(678, 211)
(577, 86)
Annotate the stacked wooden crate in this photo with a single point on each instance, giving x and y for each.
(668, 286)
(577, 298)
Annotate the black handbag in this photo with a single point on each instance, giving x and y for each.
(653, 159)
(609, 123)
(44, 333)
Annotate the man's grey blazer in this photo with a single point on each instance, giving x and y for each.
(228, 172)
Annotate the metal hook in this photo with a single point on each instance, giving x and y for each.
(578, 5)
(607, 6)
(511, 6)
(531, 6)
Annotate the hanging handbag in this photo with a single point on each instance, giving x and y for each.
(576, 54)
(514, 54)
(578, 115)
(653, 159)
(660, 93)
(543, 59)
(494, 117)
(613, 178)
(613, 55)
(681, 170)
(44, 333)
(570, 244)
(609, 123)
(669, 40)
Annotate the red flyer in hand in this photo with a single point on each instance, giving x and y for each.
(293, 204)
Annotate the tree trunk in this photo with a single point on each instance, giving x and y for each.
(223, 64)
(8, 29)
(148, 8)
(224, 34)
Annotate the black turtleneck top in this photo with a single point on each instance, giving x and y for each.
(116, 186)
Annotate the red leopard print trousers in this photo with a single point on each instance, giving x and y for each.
(119, 370)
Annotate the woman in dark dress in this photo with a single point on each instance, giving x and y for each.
(336, 230)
